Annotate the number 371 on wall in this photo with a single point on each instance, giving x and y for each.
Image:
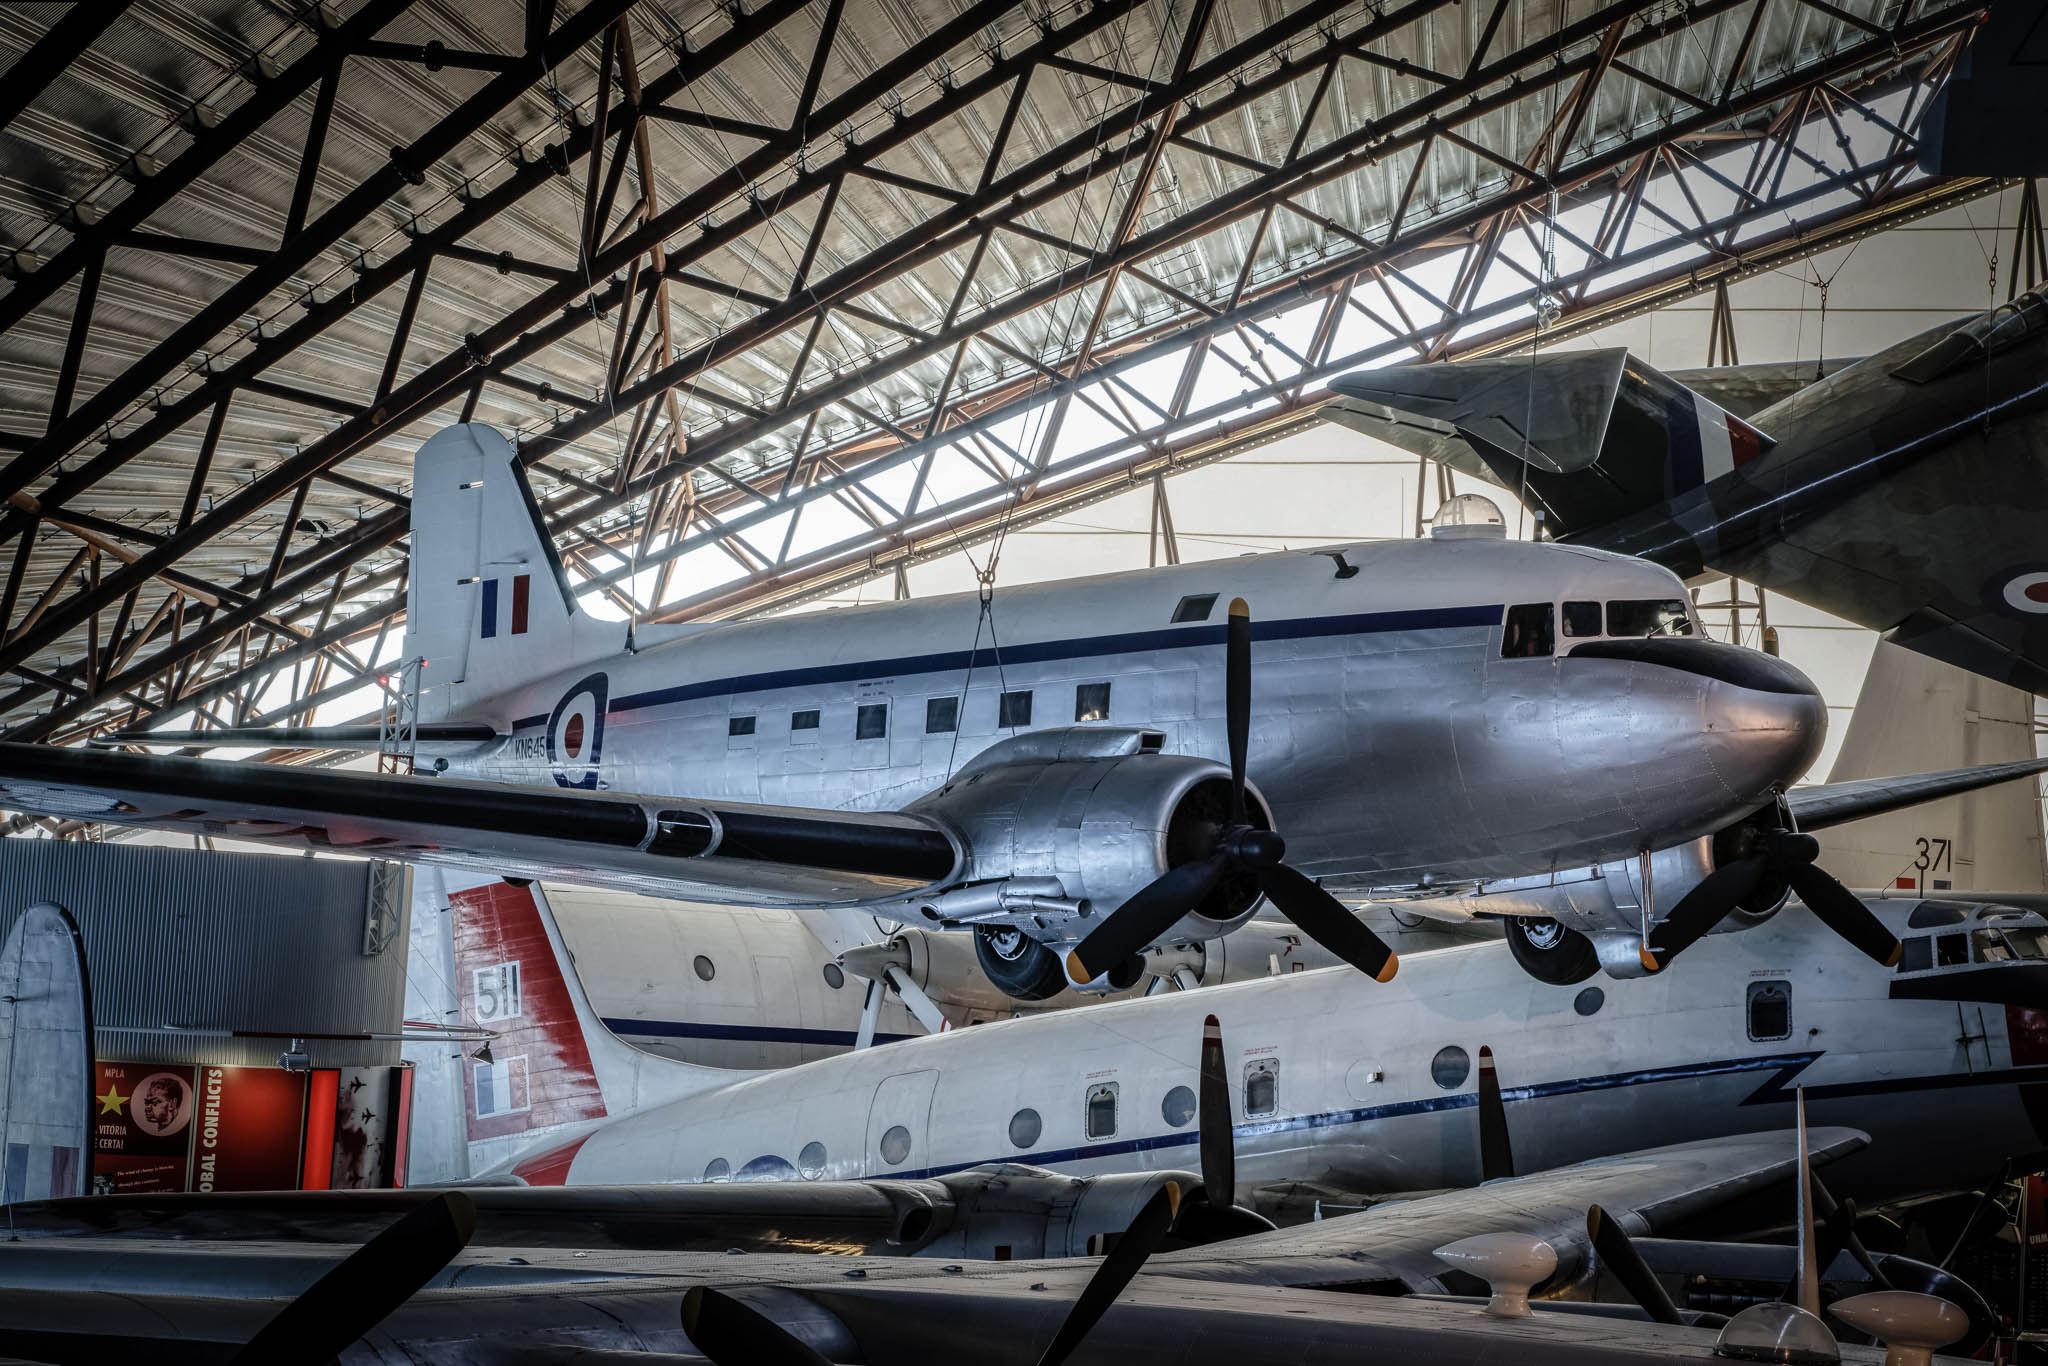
(1934, 856)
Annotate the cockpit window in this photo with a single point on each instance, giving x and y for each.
(1636, 618)
(1988, 946)
(2028, 943)
(1983, 336)
(1918, 955)
(1582, 618)
(1530, 632)
(1951, 950)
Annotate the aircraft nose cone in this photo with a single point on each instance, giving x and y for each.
(1760, 721)
(1763, 738)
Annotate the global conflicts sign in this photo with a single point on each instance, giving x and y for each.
(173, 1127)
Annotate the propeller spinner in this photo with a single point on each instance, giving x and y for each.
(1240, 848)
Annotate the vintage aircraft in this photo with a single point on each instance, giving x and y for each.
(1381, 1104)
(1905, 492)
(1420, 717)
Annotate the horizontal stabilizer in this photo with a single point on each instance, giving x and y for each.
(1587, 437)
(1816, 808)
(298, 737)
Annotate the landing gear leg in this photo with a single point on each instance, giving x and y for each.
(1550, 952)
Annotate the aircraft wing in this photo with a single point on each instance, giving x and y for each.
(1826, 804)
(664, 846)
(1648, 1191)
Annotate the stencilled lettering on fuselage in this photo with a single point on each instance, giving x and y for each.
(528, 747)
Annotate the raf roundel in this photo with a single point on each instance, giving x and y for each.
(2027, 592)
(576, 733)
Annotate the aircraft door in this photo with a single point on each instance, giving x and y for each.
(899, 1124)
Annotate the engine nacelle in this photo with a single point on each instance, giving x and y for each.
(1061, 827)
(1605, 902)
(1012, 1210)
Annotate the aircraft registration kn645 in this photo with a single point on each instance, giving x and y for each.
(1411, 715)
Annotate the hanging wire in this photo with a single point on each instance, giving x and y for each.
(985, 574)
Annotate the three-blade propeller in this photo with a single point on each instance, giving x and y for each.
(1775, 854)
(1242, 849)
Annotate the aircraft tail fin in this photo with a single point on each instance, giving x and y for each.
(1589, 436)
(46, 1111)
(1916, 714)
(551, 1063)
(488, 603)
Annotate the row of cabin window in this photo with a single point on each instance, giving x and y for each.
(942, 714)
(1769, 1010)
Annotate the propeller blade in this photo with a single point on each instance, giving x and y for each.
(357, 1294)
(1808, 1283)
(1620, 1257)
(1496, 1153)
(1824, 1201)
(733, 1333)
(1146, 916)
(1328, 921)
(1839, 909)
(1237, 699)
(1139, 1242)
(1836, 1229)
(1219, 1151)
(1700, 909)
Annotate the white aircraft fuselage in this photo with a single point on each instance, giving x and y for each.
(1362, 1087)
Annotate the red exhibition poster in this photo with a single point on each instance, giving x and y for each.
(142, 1127)
(248, 1127)
(171, 1127)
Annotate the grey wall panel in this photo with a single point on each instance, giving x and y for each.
(217, 941)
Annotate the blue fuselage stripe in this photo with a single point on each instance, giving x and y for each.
(1049, 651)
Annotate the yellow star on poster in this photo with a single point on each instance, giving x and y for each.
(112, 1101)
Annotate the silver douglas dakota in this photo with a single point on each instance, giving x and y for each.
(1062, 767)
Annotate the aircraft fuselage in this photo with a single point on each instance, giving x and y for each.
(1358, 1087)
(1391, 738)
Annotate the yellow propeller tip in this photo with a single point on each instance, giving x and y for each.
(1172, 1189)
(1898, 951)
(1240, 608)
(1388, 969)
(1077, 971)
(1650, 963)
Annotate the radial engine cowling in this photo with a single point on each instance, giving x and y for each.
(1060, 827)
(1605, 902)
(1009, 1210)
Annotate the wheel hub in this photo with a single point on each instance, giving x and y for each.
(1008, 943)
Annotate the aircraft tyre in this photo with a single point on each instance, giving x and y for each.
(1021, 967)
(1550, 952)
